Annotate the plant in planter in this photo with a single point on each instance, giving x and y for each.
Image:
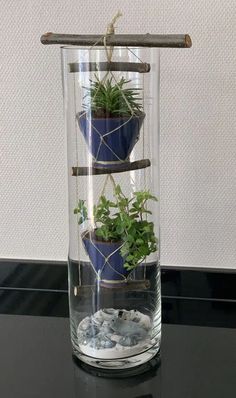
(111, 121)
(122, 237)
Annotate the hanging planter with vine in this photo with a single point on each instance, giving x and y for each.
(122, 236)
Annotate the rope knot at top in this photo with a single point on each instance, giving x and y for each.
(111, 25)
(110, 31)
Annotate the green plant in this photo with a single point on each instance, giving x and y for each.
(106, 99)
(124, 220)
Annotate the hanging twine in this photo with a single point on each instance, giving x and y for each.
(109, 177)
(109, 52)
(111, 31)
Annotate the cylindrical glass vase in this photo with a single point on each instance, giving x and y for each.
(111, 98)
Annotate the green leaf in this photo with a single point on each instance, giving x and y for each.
(120, 229)
(130, 257)
(118, 189)
(139, 241)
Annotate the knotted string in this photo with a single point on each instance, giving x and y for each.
(110, 31)
(109, 53)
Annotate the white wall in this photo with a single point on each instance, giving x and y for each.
(198, 123)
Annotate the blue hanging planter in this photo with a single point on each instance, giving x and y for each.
(106, 259)
(110, 140)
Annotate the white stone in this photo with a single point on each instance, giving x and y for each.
(98, 316)
(145, 322)
(85, 323)
(109, 313)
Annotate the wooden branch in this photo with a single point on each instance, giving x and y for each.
(134, 285)
(84, 171)
(145, 40)
(140, 67)
(86, 290)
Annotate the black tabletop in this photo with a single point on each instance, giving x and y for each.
(36, 361)
(198, 352)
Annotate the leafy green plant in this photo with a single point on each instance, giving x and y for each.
(124, 220)
(107, 99)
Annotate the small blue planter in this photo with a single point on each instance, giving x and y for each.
(106, 258)
(110, 140)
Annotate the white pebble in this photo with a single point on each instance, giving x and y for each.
(85, 323)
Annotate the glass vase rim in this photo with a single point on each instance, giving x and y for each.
(102, 48)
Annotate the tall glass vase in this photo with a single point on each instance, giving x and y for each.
(111, 100)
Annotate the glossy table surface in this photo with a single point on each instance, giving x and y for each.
(36, 361)
(198, 354)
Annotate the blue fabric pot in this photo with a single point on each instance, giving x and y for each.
(106, 257)
(118, 145)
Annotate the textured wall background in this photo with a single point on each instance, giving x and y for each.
(198, 123)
